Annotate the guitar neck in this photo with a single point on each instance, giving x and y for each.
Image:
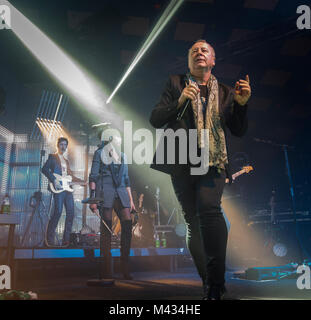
(235, 175)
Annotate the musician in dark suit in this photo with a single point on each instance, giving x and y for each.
(110, 181)
(57, 163)
(215, 108)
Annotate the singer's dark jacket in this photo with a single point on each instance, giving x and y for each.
(233, 117)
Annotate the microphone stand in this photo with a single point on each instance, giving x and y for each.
(291, 189)
(35, 202)
(157, 196)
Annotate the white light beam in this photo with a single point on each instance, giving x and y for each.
(163, 21)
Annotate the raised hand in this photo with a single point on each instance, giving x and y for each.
(242, 91)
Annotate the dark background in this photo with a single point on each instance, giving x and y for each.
(254, 37)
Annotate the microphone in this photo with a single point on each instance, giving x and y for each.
(182, 112)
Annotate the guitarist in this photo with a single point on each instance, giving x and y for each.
(58, 164)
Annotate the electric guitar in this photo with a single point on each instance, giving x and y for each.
(66, 183)
(245, 169)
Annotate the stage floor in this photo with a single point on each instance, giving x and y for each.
(61, 253)
(184, 284)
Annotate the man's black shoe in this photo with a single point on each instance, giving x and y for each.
(214, 292)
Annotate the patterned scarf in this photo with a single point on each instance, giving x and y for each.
(216, 141)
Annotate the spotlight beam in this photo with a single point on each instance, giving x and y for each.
(56, 113)
(163, 21)
(86, 90)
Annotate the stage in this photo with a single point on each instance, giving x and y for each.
(104, 107)
(158, 274)
(183, 284)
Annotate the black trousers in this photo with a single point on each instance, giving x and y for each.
(200, 198)
(126, 234)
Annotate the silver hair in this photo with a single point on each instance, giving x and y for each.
(204, 41)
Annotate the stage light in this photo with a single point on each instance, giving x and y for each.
(44, 126)
(8, 138)
(163, 21)
(73, 77)
(86, 91)
(56, 114)
(280, 250)
(246, 242)
(58, 128)
(50, 129)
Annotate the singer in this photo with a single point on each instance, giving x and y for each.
(198, 101)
